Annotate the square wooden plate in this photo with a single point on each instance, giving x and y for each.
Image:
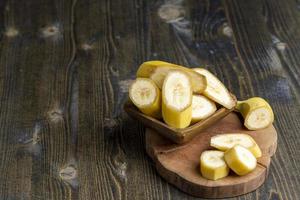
(177, 135)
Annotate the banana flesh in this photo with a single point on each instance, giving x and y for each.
(212, 165)
(146, 96)
(202, 108)
(224, 142)
(173, 92)
(177, 99)
(216, 90)
(257, 113)
(157, 71)
(240, 160)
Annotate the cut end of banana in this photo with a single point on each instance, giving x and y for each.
(224, 142)
(216, 90)
(142, 92)
(240, 160)
(177, 100)
(212, 165)
(257, 113)
(202, 108)
(259, 118)
(177, 90)
(146, 96)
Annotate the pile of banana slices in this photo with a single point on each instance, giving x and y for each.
(236, 151)
(183, 96)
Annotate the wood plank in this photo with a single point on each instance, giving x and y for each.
(192, 41)
(44, 156)
(111, 158)
(270, 80)
(283, 23)
(35, 85)
(114, 44)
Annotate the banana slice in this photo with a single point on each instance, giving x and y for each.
(216, 90)
(212, 165)
(157, 71)
(177, 100)
(257, 113)
(146, 96)
(202, 108)
(240, 160)
(224, 142)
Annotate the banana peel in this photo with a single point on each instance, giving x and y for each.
(157, 71)
(257, 113)
(240, 160)
(212, 165)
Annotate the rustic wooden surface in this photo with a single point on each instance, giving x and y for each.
(65, 67)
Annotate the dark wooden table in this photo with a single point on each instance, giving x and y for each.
(65, 67)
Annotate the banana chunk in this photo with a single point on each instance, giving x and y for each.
(240, 160)
(177, 100)
(224, 142)
(212, 165)
(202, 108)
(257, 113)
(216, 90)
(146, 96)
(158, 70)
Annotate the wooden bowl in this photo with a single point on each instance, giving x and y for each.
(176, 135)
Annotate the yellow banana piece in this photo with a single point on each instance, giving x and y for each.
(257, 113)
(224, 142)
(216, 90)
(202, 108)
(240, 160)
(157, 71)
(177, 99)
(212, 165)
(146, 96)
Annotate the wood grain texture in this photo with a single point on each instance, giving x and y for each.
(36, 74)
(179, 136)
(267, 75)
(179, 163)
(65, 67)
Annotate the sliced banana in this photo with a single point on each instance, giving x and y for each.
(202, 108)
(257, 113)
(212, 165)
(157, 71)
(240, 160)
(146, 96)
(177, 99)
(224, 142)
(216, 90)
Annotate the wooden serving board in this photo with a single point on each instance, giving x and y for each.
(179, 164)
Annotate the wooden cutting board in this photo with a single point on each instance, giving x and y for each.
(179, 163)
